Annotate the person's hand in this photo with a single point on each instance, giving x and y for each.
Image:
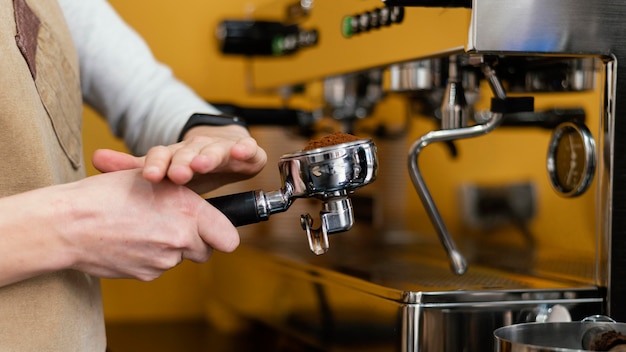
(113, 225)
(208, 157)
(129, 227)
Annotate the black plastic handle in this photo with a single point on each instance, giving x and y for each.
(239, 208)
(261, 116)
(548, 119)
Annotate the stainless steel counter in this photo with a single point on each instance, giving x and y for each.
(368, 296)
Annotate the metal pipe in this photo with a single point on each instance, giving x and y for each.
(458, 263)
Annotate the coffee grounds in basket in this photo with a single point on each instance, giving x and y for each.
(331, 139)
(607, 341)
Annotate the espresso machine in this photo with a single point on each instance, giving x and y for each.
(497, 201)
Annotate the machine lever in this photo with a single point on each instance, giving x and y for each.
(457, 261)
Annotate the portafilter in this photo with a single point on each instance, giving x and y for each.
(330, 173)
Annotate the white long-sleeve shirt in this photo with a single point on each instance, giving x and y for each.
(140, 98)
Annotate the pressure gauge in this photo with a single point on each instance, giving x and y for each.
(571, 159)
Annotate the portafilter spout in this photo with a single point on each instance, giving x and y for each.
(329, 173)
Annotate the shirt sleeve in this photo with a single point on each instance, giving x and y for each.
(143, 102)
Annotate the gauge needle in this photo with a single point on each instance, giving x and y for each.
(572, 163)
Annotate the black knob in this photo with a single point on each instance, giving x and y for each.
(262, 38)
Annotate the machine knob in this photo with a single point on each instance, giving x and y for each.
(262, 38)
(375, 19)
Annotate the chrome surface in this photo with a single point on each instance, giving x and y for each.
(352, 96)
(535, 27)
(275, 201)
(454, 108)
(531, 27)
(550, 337)
(581, 165)
(265, 204)
(371, 295)
(379, 297)
(419, 75)
(458, 262)
(329, 172)
(336, 217)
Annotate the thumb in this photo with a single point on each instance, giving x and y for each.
(107, 160)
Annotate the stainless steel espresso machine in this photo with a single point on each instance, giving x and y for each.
(498, 126)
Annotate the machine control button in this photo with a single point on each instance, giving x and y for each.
(396, 14)
(384, 15)
(375, 19)
(368, 20)
(263, 38)
(364, 22)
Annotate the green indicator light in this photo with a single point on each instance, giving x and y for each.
(277, 46)
(346, 27)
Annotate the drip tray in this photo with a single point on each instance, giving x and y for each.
(421, 267)
(375, 297)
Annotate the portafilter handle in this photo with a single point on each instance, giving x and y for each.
(329, 174)
(241, 208)
(251, 207)
(255, 206)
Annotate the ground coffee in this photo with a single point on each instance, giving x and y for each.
(331, 139)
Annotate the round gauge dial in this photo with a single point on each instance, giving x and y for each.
(571, 159)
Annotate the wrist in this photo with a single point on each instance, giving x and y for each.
(38, 243)
(210, 120)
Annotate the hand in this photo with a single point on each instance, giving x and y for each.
(113, 225)
(131, 228)
(208, 157)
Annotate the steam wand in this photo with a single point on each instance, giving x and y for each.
(457, 262)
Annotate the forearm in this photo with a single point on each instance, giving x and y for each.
(113, 225)
(140, 98)
(32, 240)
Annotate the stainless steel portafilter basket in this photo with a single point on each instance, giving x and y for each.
(330, 174)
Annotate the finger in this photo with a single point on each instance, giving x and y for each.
(180, 171)
(210, 158)
(157, 162)
(107, 160)
(247, 149)
(245, 157)
(200, 253)
(216, 230)
(228, 157)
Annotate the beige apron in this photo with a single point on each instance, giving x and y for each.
(40, 145)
